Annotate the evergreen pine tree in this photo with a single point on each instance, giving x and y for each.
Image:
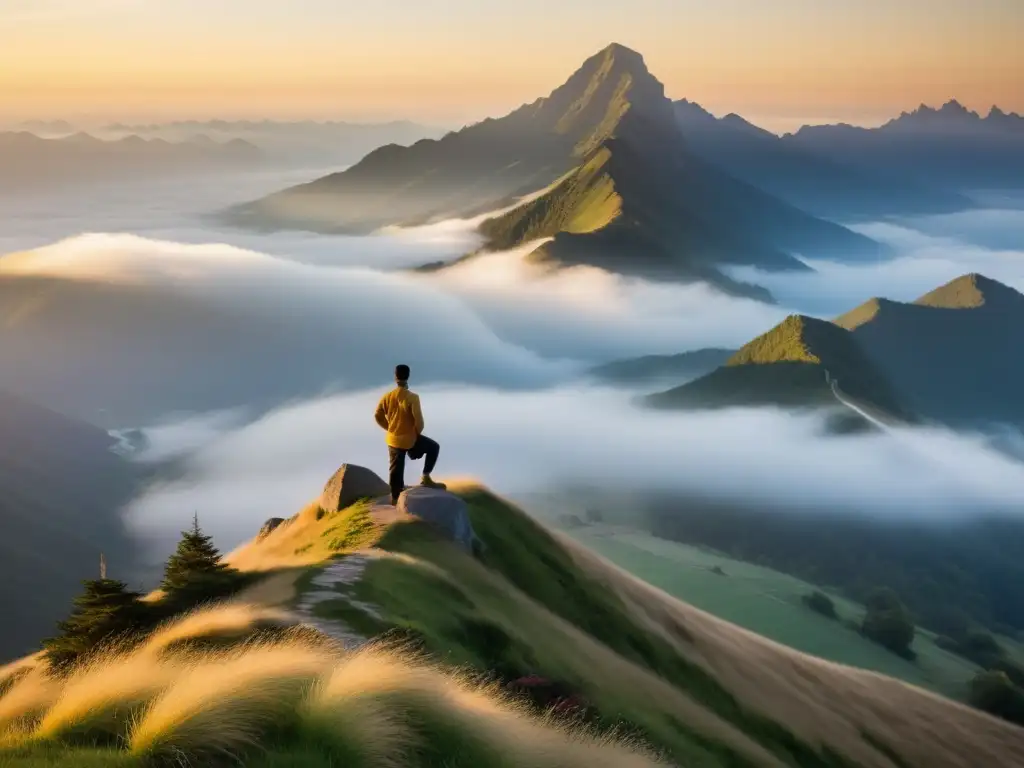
(195, 571)
(105, 610)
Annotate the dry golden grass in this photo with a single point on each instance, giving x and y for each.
(819, 701)
(376, 707)
(224, 705)
(25, 702)
(226, 619)
(304, 540)
(103, 698)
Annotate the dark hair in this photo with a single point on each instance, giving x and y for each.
(401, 373)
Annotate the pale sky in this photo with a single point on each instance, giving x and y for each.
(778, 62)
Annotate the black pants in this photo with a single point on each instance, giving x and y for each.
(424, 446)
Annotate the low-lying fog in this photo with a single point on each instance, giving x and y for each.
(498, 348)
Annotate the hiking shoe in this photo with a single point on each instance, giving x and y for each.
(427, 482)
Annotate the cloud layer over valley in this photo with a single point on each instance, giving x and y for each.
(522, 442)
(259, 358)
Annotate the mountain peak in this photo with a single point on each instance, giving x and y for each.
(592, 104)
(620, 51)
(969, 292)
(954, 107)
(797, 339)
(951, 115)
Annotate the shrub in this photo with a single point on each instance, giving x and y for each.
(995, 693)
(888, 623)
(821, 603)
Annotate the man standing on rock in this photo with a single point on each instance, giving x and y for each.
(399, 413)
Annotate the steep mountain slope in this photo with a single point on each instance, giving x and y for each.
(951, 146)
(29, 163)
(954, 352)
(620, 189)
(817, 184)
(60, 492)
(535, 604)
(792, 364)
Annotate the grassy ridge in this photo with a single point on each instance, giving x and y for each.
(527, 609)
(583, 202)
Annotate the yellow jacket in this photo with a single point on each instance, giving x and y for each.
(399, 413)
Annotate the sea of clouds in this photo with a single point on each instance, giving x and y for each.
(500, 347)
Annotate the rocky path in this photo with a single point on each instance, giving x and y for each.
(337, 582)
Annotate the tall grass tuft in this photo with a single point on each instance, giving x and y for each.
(100, 701)
(223, 706)
(24, 703)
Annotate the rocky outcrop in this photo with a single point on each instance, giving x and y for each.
(350, 484)
(269, 527)
(444, 511)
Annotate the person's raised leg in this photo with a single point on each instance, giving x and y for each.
(396, 472)
(430, 450)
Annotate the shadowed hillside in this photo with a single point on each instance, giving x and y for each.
(620, 188)
(954, 352)
(60, 491)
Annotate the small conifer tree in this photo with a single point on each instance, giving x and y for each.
(105, 610)
(195, 571)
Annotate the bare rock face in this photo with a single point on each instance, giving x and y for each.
(446, 512)
(350, 484)
(268, 527)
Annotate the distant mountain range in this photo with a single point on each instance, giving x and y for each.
(950, 147)
(331, 142)
(28, 162)
(610, 179)
(61, 489)
(823, 185)
(951, 356)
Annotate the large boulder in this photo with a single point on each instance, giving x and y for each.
(350, 484)
(444, 511)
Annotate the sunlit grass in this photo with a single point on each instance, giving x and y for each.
(283, 698)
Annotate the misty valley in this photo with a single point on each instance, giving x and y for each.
(731, 423)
